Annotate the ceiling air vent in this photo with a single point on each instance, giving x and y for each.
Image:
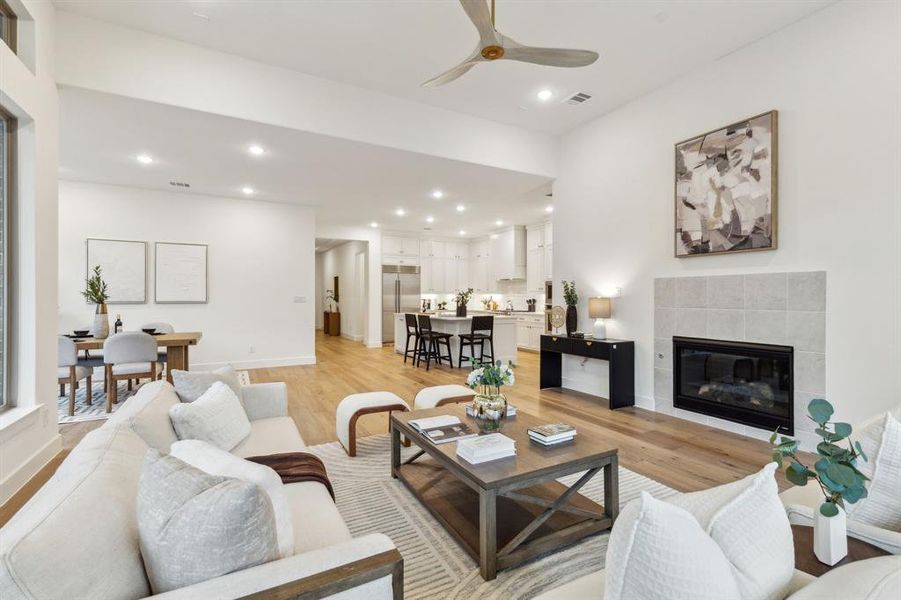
(179, 184)
(577, 99)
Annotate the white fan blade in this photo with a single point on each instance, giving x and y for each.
(552, 57)
(452, 74)
(478, 13)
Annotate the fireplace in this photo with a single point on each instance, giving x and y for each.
(742, 382)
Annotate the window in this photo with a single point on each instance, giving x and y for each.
(7, 152)
(7, 25)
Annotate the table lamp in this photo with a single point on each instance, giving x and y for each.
(599, 309)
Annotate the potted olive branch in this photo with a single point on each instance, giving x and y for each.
(462, 299)
(835, 472)
(95, 292)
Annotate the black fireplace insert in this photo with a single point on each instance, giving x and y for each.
(742, 382)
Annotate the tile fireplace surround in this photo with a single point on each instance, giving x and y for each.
(770, 308)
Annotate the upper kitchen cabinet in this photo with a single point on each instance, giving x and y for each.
(508, 253)
(480, 276)
(403, 246)
(539, 257)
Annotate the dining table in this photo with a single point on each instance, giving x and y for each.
(176, 345)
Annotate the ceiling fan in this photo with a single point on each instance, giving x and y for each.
(496, 46)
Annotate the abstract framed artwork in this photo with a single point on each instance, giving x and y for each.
(124, 267)
(181, 273)
(726, 189)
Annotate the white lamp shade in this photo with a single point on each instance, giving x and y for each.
(599, 308)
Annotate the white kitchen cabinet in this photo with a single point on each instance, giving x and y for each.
(534, 237)
(548, 263)
(535, 271)
(434, 249)
(461, 266)
(548, 233)
(508, 253)
(400, 246)
(528, 331)
(432, 276)
(522, 335)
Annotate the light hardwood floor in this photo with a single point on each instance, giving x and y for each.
(678, 453)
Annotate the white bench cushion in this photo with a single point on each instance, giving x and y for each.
(430, 397)
(356, 402)
(271, 436)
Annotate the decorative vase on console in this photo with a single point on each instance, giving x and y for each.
(835, 473)
(462, 299)
(489, 404)
(571, 297)
(95, 291)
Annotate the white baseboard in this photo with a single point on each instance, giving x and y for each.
(352, 337)
(373, 344)
(18, 478)
(645, 403)
(262, 363)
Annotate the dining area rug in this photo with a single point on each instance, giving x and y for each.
(434, 564)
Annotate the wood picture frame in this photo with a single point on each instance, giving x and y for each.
(181, 273)
(123, 265)
(725, 189)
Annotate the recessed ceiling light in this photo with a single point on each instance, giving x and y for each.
(462, 232)
(437, 194)
(548, 209)
(545, 95)
(430, 219)
(247, 190)
(373, 224)
(400, 212)
(145, 159)
(256, 150)
(460, 208)
(498, 222)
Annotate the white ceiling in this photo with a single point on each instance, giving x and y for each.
(350, 183)
(393, 46)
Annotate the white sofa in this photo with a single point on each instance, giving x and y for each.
(77, 537)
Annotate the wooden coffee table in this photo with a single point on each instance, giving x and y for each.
(806, 560)
(507, 511)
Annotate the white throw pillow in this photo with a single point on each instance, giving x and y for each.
(190, 385)
(748, 521)
(882, 506)
(744, 520)
(214, 461)
(216, 417)
(658, 551)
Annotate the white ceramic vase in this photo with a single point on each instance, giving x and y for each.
(830, 537)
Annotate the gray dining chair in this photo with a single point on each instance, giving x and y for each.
(70, 372)
(130, 355)
(160, 327)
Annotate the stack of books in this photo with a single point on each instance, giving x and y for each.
(443, 429)
(552, 434)
(486, 448)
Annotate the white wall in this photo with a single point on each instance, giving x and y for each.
(101, 56)
(341, 261)
(29, 435)
(835, 78)
(261, 260)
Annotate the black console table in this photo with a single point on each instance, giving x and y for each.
(619, 353)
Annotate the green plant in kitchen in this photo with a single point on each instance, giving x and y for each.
(835, 471)
(95, 288)
(463, 296)
(570, 295)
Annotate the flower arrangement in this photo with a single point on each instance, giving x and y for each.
(570, 295)
(463, 296)
(493, 375)
(835, 471)
(95, 290)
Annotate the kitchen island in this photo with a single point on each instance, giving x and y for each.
(448, 322)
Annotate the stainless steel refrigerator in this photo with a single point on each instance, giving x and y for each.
(400, 294)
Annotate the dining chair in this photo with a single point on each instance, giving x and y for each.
(69, 372)
(130, 355)
(481, 331)
(161, 357)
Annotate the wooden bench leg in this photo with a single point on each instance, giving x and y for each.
(352, 424)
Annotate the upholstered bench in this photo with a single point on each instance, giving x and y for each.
(355, 406)
(438, 395)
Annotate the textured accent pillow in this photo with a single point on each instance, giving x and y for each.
(748, 522)
(658, 551)
(193, 526)
(190, 385)
(882, 506)
(216, 417)
(214, 461)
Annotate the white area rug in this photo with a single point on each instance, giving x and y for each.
(434, 565)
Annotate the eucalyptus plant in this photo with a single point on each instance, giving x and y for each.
(570, 295)
(491, 374)
(463, 296)
(95, 290)
(835, 471)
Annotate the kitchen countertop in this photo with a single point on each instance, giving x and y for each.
(453, 317)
